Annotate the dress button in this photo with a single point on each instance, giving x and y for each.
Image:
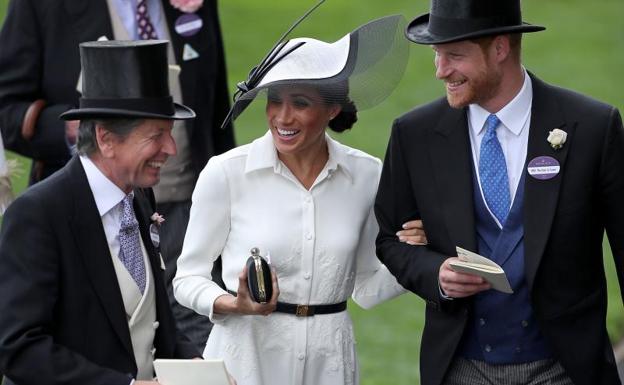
(309, 236)
(306, 276)
(488, 348)
(300, 356)
(481, 322)
(307, 200)
(518, 349)
(525, 323)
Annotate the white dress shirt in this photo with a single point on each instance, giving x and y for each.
(126, 10)
(108, 199)
(321, 242)
(513, 135)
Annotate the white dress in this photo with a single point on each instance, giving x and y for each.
(321, 242)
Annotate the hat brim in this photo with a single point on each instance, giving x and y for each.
(418, 32)
(181, 112)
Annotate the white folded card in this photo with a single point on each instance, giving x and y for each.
(190, 372)
(473, 263)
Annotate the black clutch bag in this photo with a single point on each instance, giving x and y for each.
(259, 277)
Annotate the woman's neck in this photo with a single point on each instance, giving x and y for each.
(307, 165)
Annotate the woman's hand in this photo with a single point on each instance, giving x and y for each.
(413, 233)
(242, 303)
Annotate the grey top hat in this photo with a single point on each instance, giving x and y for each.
(455, 20)
(126, 79)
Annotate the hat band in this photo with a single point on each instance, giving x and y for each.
(162, 106)
(448, 27)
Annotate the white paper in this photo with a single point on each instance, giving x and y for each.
(190, 372)
(473, 263)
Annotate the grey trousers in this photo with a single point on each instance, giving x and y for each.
(471, 372)
(196, 327)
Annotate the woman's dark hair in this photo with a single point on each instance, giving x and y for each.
(339, 94)
(346, 118)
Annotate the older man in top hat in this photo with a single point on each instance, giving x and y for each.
(521, 172)
(84, 300)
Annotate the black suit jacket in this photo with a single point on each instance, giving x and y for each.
(428, 174)
(63, 320)
(40, 59)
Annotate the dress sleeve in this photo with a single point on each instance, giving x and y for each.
(373, 282)
(207, 232)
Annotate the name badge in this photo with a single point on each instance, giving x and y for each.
(544, 167)
(188, 24)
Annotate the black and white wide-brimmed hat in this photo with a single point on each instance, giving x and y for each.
(126, 79)
(366, 64)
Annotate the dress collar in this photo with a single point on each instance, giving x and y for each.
(262, 155)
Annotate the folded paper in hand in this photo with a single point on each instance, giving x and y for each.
(190, 372)
(473, 263)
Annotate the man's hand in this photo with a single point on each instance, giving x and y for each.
(459, 285)
(413, 233)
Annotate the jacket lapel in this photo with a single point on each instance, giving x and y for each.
(541, 196)
(143, 212)
(189, 68)
(452, 169)
(93, 247)
(143, 208)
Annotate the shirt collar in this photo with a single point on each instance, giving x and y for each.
(262, 154)
(513, 115)
(106, 194)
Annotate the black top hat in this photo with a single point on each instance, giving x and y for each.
(126, 79)
(455, 20)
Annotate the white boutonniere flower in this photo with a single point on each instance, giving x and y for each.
(187, 6)
(157, 219)
(557, 138)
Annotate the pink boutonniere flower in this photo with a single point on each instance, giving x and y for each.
(157, 219)
(187, 6)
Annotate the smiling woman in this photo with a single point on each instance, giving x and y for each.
(309, 200)
(297, 118)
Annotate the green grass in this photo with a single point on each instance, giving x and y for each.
(582, 49)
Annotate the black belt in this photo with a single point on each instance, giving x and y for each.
(307, 310)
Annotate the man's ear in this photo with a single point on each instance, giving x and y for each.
(105, 141)
(502, 47)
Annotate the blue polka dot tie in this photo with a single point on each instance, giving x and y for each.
(130, 252)
(493, 172)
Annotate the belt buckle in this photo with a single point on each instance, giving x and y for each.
(302, 311)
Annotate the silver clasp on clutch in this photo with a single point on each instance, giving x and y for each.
(255, 254)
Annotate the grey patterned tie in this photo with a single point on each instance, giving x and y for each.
(145, 28)
(130, 252)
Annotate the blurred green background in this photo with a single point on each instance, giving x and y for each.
(582, 49)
